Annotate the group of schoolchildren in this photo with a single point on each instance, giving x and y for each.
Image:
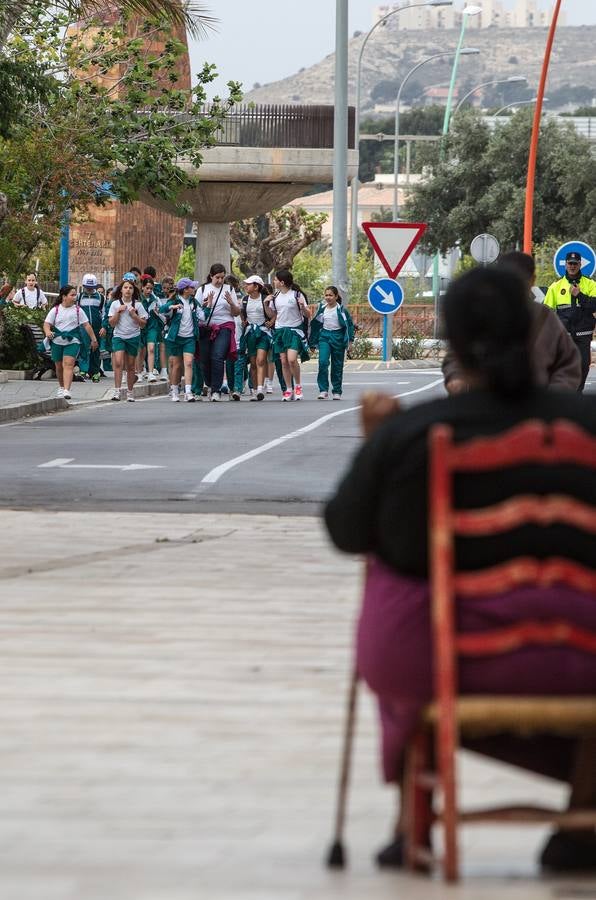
(222, 337)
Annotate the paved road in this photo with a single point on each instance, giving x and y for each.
(295, 451)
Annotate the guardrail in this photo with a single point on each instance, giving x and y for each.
(281, 125)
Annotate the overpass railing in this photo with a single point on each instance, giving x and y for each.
(281, 125)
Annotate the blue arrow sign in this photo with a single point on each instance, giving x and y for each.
(588, 256)
(385, 296)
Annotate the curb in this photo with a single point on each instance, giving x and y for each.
(32, 408)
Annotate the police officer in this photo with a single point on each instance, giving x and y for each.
(573, 298)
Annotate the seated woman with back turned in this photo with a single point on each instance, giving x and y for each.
(380, 508)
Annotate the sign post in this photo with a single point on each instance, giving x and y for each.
(392, 242)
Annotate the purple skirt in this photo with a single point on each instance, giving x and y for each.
(393, 654)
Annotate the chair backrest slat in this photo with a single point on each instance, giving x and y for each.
(524, 509)
(524, 570)
(506, 640)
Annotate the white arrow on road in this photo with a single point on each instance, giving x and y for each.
(61, 463)
(387, 296)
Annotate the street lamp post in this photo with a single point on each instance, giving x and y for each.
(518, 103)
(513, 79)
(340, 146)
(467, 12)
(466, 51)
(356, 181)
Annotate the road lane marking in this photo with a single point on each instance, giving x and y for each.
(60, 463)
(215, 474)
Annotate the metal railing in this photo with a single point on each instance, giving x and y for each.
(281, 125)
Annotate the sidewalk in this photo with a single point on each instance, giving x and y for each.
(19, 399)
(170, 720)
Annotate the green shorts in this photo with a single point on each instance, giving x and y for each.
(59, 351)
(129, 345)
(181, 345)
(154, 333)
(285, 339)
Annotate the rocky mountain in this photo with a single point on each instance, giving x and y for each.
(391, 53)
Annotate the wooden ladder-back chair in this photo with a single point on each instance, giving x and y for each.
(533, 443)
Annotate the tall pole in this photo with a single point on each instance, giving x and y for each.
(356, 180)
(446, 120)
(531, 181)
(340, 146)
(64, 248)
(396, 126)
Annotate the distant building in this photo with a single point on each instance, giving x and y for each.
(495, 14)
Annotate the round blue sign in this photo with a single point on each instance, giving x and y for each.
(385, 296)
(588, 256)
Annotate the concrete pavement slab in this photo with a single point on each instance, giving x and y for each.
(171, 703)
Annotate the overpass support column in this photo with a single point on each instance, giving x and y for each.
(213, 246)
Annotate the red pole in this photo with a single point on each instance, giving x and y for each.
(529, 213)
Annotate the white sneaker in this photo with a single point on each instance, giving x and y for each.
(67, 395)
(151, 377)
(189, 398)
(323, 395)
(252, 394)
(174, 396)
(130, 396)
(60, 394)
(336, 396)
(163, 375)
(268, 388)
(139, 376)
(215, 397)
(260, 393)
(116, 394)
(156, 372)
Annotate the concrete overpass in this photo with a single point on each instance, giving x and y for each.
(265, 156)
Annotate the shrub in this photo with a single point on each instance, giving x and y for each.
(409, 346)
(14, 349)
(362, 348)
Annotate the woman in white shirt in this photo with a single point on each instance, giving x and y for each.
(289, 339)
(217, 336)
(256, 336)
(127, 316)
(62, 327)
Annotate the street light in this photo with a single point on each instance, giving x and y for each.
(518, 103)
(466, 51)
(356, 181)
(467, 12)
(513, 79)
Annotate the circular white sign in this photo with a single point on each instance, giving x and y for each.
(485, 248)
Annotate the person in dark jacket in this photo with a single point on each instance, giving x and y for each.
(556, 361)
(573, 297)
(380, 508)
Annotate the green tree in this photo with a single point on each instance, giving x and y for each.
(114, 113)
(378, 155)
(480, 184)
(186, 263)
(273, 240)
(312, 271)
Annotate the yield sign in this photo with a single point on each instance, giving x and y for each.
(393, 242)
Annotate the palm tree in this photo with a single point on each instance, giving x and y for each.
(186, 14)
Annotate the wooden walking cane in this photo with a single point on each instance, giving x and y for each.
(336, 857)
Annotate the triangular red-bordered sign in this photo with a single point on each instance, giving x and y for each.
(393, 247)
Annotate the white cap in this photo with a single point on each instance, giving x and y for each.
(254, 279)
(89, 280)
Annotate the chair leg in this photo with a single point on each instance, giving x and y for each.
(417, 799)
(446, 768)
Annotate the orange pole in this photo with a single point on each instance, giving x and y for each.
(529, 213)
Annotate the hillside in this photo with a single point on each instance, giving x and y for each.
(390, 54)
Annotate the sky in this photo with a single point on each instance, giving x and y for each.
(266, 40)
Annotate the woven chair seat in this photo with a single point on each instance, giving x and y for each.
(485, 715)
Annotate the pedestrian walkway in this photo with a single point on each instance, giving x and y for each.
(171, 703)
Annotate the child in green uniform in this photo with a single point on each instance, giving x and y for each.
(289, 338)
(127, 317)
(181, 313)
(332, 331)
(256, 335)
(91, 303)
(147, 298)
(63, 327)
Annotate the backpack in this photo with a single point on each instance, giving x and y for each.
(38, 292)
